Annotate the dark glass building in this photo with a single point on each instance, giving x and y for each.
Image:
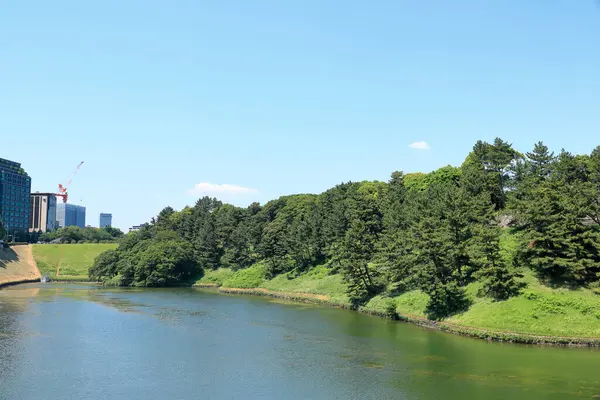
(70, 215)
(15, 186)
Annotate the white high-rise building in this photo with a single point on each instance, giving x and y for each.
(43, 212)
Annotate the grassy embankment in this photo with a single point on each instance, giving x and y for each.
(315, 286)
(68, 262)
(541, 314)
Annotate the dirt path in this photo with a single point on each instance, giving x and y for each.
(18, 265)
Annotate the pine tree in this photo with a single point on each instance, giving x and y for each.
(540, 162)
(393, 202)
(274, 248)
(432, 252)
(488, 169)
(206, 243)
(560, 243)
(594, 164)
(500, 281)
(529, 174)
(356, 251)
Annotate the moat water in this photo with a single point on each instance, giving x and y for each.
(60, 341)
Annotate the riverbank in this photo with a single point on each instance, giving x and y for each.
(540, 315)
(17, 265)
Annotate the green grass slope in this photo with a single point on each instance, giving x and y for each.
(71, 261)
(539, 310)
(317, 281)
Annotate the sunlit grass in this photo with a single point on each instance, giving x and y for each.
(412, 303)
(315, 281)
(74, 259)
(215, 277)
(247, 278)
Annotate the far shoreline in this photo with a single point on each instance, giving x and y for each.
(17, 282)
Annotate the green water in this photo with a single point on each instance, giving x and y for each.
(84, 342)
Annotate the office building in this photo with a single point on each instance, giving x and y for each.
(105, 220)
(70, 215)
(65, 215)
(43, 212)
(135, 228)
(80, 221)
(15, 186)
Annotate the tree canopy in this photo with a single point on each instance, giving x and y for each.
(75, 234)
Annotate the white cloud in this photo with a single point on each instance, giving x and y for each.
(420, 146)
(214, 188)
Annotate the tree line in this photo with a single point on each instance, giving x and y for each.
(75, 234)
(436, 232)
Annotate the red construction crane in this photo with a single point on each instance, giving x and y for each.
(62, 190)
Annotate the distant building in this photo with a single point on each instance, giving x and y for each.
(80, 221)
(105, 220)
(15, 186)
(135, 228)
(43, 212)
(70, 215)
(65, 214)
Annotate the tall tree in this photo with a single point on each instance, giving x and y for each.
(594, 166)
(164, 220)
(206, 243)
(392, 246)
(364, 210)
(437, 240)
(488, 168)
(529, 173)
(560, 242)
(333, 207)
(274, 247)
(356, 251)
(500, 280)
(540, 161)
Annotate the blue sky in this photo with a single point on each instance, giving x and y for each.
(280, 97)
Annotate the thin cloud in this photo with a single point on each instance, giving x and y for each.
(420, 146)
(214, 188)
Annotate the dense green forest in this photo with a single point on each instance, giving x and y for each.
(435, 232)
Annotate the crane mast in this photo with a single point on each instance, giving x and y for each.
(62, 189)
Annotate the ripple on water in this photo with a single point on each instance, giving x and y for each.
(373, 365)
(172, 313)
